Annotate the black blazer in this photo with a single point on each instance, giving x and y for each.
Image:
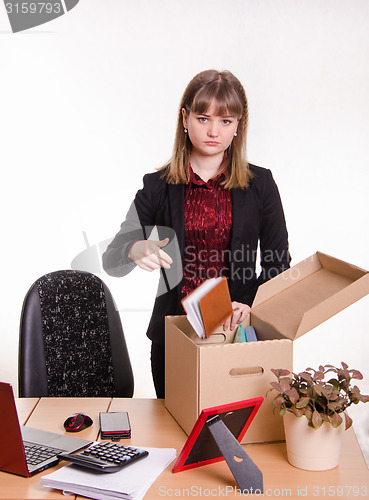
(258, 218)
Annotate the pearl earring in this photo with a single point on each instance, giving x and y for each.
(235, 134)
(185, 131)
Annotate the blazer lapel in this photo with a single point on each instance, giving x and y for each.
(239, 202)
(176, 205)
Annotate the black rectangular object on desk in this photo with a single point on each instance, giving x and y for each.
(115, 425)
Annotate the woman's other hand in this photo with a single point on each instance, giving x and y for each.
(148, 254)
(240, 313)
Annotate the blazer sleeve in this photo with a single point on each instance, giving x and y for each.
(274, 252)
(137, 225)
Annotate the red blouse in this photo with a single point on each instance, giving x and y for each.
(208, 226)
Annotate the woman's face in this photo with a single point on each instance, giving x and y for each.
(209, 134)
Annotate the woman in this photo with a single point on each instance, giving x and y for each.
(211, 208)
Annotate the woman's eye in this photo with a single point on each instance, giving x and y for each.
(202, 119)
(227, 122)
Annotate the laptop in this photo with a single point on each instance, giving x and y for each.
(26, 451)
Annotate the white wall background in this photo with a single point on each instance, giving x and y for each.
(88, 105)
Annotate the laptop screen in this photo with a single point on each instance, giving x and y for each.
(12, 458)
(13, 437)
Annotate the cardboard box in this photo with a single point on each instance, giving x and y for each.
(209, 372)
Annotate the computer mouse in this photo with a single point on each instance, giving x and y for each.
(77, 422)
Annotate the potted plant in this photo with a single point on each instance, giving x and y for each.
(313, 404)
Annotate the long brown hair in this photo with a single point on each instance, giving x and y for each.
(230, 98)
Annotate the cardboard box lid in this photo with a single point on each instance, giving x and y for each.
(306, 295)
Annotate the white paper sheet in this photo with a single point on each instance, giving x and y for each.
(130, 482)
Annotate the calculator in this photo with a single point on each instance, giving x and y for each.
(105, 457)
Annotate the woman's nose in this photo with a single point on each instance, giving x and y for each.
(213, 130)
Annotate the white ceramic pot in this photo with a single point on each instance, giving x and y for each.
(309, 448)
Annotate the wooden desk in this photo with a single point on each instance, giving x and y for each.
(153, 426)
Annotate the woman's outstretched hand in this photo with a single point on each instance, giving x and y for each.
(240, 313)
(148, 254)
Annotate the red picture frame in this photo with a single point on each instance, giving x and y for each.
(200, 448)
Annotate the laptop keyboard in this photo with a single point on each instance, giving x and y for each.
(36, 453)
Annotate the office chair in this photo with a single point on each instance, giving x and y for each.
(71, 340)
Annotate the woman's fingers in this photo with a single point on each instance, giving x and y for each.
(147, 254)
(240, 313)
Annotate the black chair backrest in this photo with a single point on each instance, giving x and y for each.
(71, 339)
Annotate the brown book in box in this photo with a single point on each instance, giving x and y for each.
(208, 306)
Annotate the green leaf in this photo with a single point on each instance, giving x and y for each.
(285, 384)
(318, 375)
(302, 403)
(334, 406)
(319, 389)
(333, 397)
(308, 412)
(293, 395)
(306, 376)
(345, 373)
(280, 372)
(276, 386)
(336, 420)
(278, 401)
(335, 383)
(348, 421)
(316, 419)
(356, 374)
(297, 412)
